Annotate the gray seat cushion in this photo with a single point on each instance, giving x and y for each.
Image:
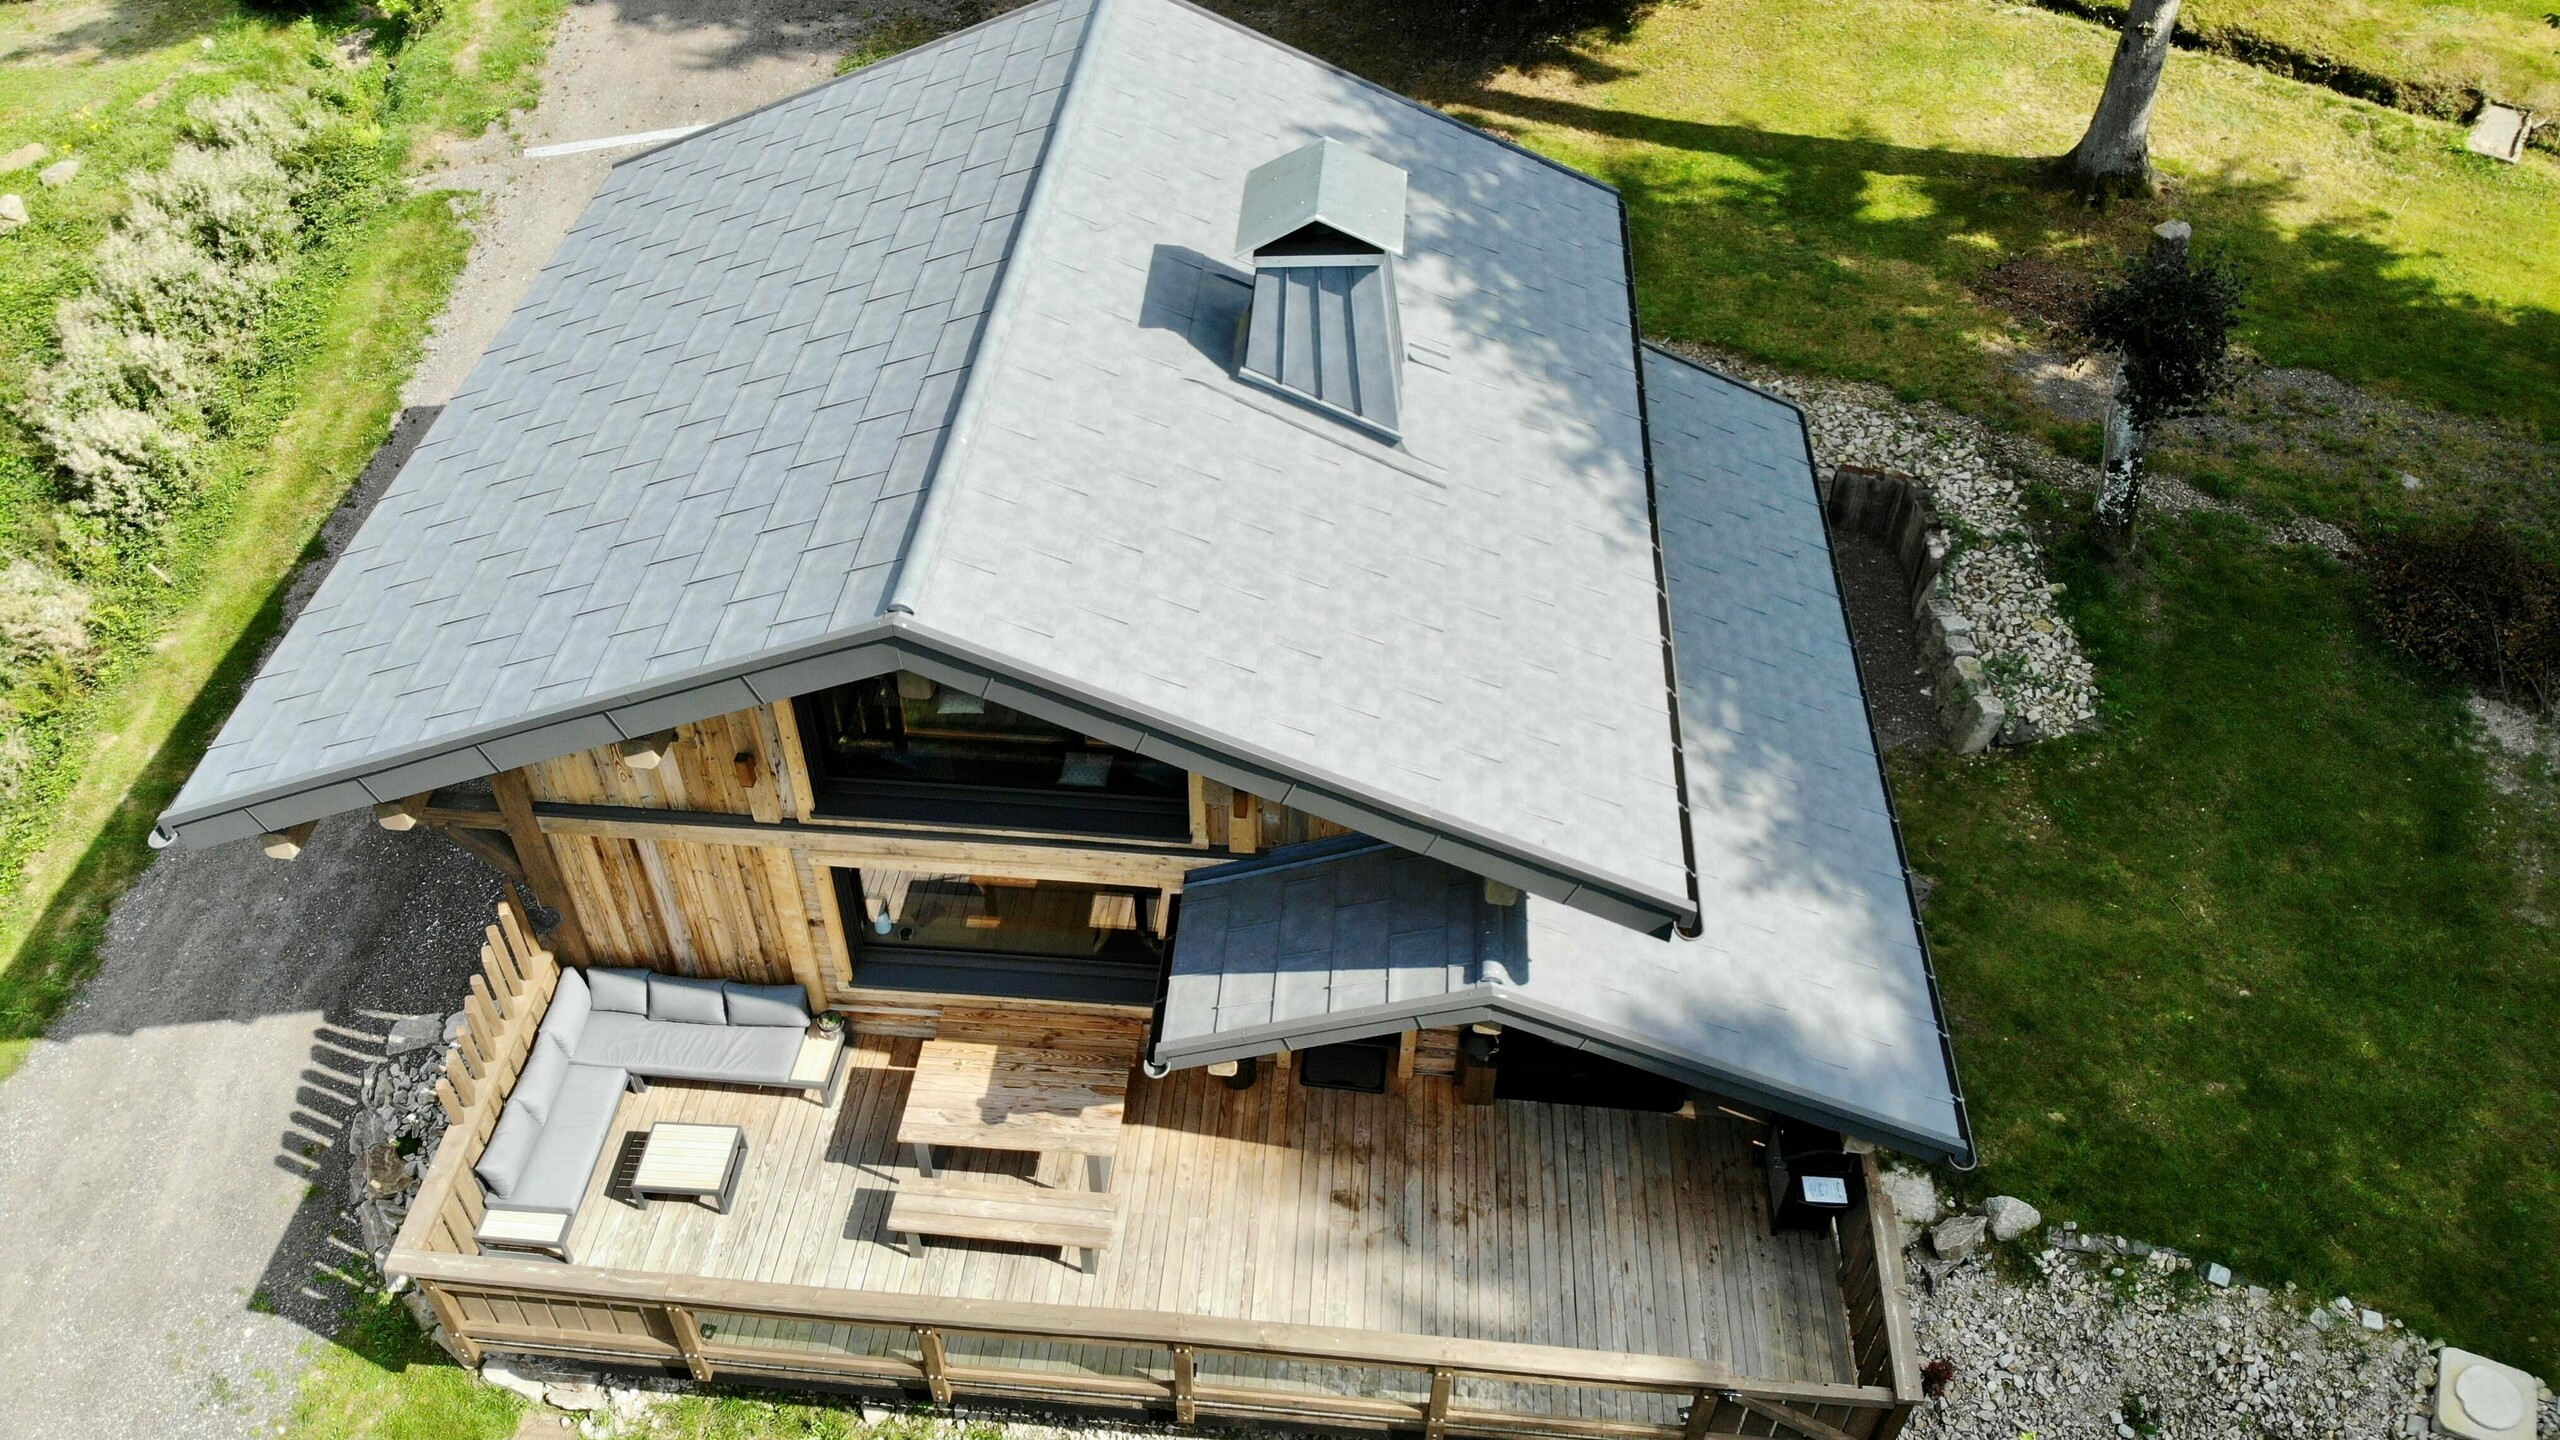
(510, 1149)
(565, 1155)
(567, 1018)
(622, 992)
(670, 1050)
(538, 1084)
(693, 1002)
(766, 1004)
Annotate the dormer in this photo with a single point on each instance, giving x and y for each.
(1323, 226)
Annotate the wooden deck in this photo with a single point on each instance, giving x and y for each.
(1416, 1214)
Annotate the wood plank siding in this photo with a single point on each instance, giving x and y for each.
(754, 900)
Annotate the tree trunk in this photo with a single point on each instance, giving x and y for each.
(2114, 157)
(2119, 479)
(2120, 472)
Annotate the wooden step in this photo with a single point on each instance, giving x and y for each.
(1013, 1213)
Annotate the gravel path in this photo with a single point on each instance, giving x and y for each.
(160, 1236)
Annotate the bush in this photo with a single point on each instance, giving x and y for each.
(2169, 317)
(2473, 600)
(180, 284)
(234, 203)
(123, 465)
(104, 364)
(42, 616)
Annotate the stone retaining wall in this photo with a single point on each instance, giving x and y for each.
(1896, 510)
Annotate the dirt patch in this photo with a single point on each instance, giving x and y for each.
(1878, 599)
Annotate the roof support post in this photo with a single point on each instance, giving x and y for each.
(541, 864)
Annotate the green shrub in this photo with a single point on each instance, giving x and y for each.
(122, 466)
(42, 615)
(180, 285)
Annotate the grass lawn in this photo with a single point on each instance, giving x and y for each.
(2258, 972)
(181, 622)
(1824, 184)
(2503, 48)
(384, 1380)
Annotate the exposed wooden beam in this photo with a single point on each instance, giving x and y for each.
(287, 843)
(648, 752)
(493, 848)
(541, 867)
(1024, 858)
(403, 814)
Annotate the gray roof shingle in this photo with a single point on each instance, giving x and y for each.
(839, 378)
(1807, 988)
(741, 357)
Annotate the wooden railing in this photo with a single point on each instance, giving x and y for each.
(501, 1014)
(1881, 1341)
(1187, 1365)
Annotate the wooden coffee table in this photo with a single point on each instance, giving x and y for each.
(692, 1162)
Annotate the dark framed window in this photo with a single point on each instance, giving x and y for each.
(902, 748)
(992, 935)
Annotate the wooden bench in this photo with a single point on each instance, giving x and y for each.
(1012, 1212)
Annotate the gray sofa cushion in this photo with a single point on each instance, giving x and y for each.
(669, 1050)
(572, 1139)
(567, 1018)
(690, 1002)
(766, 1004)
(622, 992)
(538, 1084)
(510, 1148)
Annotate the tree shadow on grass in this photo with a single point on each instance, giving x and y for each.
(1856, 255)
(121, 29)
(1435, 49)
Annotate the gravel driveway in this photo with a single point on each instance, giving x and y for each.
(159, 1227)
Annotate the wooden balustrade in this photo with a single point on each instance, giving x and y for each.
(501, 1015)
(656, 1319)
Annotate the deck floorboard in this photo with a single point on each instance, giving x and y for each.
(1413, 1213)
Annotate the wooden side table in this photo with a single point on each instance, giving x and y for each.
(692, 1162)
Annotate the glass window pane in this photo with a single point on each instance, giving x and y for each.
(992, 914)
(900, 728)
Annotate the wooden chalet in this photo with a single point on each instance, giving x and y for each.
(1317, 788)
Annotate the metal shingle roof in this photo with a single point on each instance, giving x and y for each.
(837, 386)
(1808, 988)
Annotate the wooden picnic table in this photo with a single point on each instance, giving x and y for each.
(1012, 1097)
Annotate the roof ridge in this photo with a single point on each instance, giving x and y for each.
(924, 530)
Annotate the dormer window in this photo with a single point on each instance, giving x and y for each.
(1323, 225)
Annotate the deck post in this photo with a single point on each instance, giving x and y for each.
(1435, 1420)
(1186, 1379)
(689, 1340)
(937, 1365)
(449, 1317)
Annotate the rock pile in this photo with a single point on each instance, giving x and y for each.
(393, 1133)
(1976, 478)
(2098, 1335)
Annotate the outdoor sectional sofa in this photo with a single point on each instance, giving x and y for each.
(611, 1030)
